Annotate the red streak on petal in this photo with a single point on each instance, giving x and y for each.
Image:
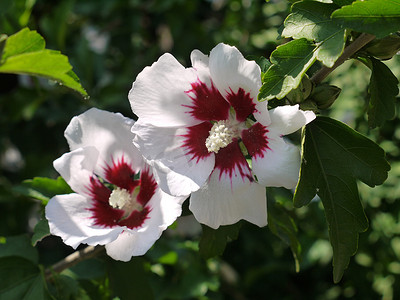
(106, 216)
(98, 191)
(148, 187)
(208, 103)
(242, 103)
(136, 218)
(121, 175)
(256, 140)
(195, 142)
(230, 160)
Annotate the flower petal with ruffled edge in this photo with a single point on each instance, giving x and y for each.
(163, 148)
(134, 243)
(279, 164)
(222, 201)
(96, 128)
(166, 79)
(227, 125)
(70, 218)
(114, 205)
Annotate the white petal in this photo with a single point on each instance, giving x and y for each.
(217, 203)
(77, 167)
(165, 210)
(125, 246)
(198, 59)
(158, 96)
(110, 133)
(69, 217)
(173, 169)
(231, 71)
(280, 165)
(262, 114)
(287, 119)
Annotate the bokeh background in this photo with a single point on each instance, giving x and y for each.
(108, 44)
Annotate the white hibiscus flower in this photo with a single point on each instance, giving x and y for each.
(200, 128)
(117, 201)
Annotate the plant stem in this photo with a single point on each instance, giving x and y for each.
(72, 260)
(358, 43)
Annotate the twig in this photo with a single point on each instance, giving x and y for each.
(358, 43)
(72, 260)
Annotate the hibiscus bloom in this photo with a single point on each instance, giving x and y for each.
(113, 205)
(205, 133)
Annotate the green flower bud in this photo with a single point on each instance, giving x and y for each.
(302, 92)
(324, 95)
(384, 48)
(309, 105)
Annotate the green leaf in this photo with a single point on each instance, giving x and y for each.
(383, 90)
(289, 63)
(342, 2)
(213, 241)
(64, 287)
(24, 53)
(312, 20)
(263, 62)
(43, 188)
(378, 17)
(18, 246)
(40, 231)
(20, 279)
(128, 280)
(334, 156)
(283, 226)
(24, 41)
(89, 269)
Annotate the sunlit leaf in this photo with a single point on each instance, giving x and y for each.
(289, 63)
(213, 241)
(24, 41)
(378, 17)
(312, 20)
(43, 188)
(339, 155)
(25, 53)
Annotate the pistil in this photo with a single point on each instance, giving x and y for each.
(124, 200)
(221, 135)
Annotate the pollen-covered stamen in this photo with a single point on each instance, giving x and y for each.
(124, 200)
(221, 135)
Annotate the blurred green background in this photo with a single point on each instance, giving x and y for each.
(108, 44)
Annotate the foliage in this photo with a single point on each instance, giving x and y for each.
(108, 47)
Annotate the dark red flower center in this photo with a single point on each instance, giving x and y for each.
(119, 199)
(223, 128)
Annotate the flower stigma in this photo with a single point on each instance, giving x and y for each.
(123, 199)
(221, 135)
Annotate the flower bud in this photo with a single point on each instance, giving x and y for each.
(302, 92)
(384, 48)
(324, 95)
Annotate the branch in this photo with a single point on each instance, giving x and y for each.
(358, 43)
(72, 260)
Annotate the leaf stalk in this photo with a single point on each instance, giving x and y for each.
(72, 260)
(358, 43)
